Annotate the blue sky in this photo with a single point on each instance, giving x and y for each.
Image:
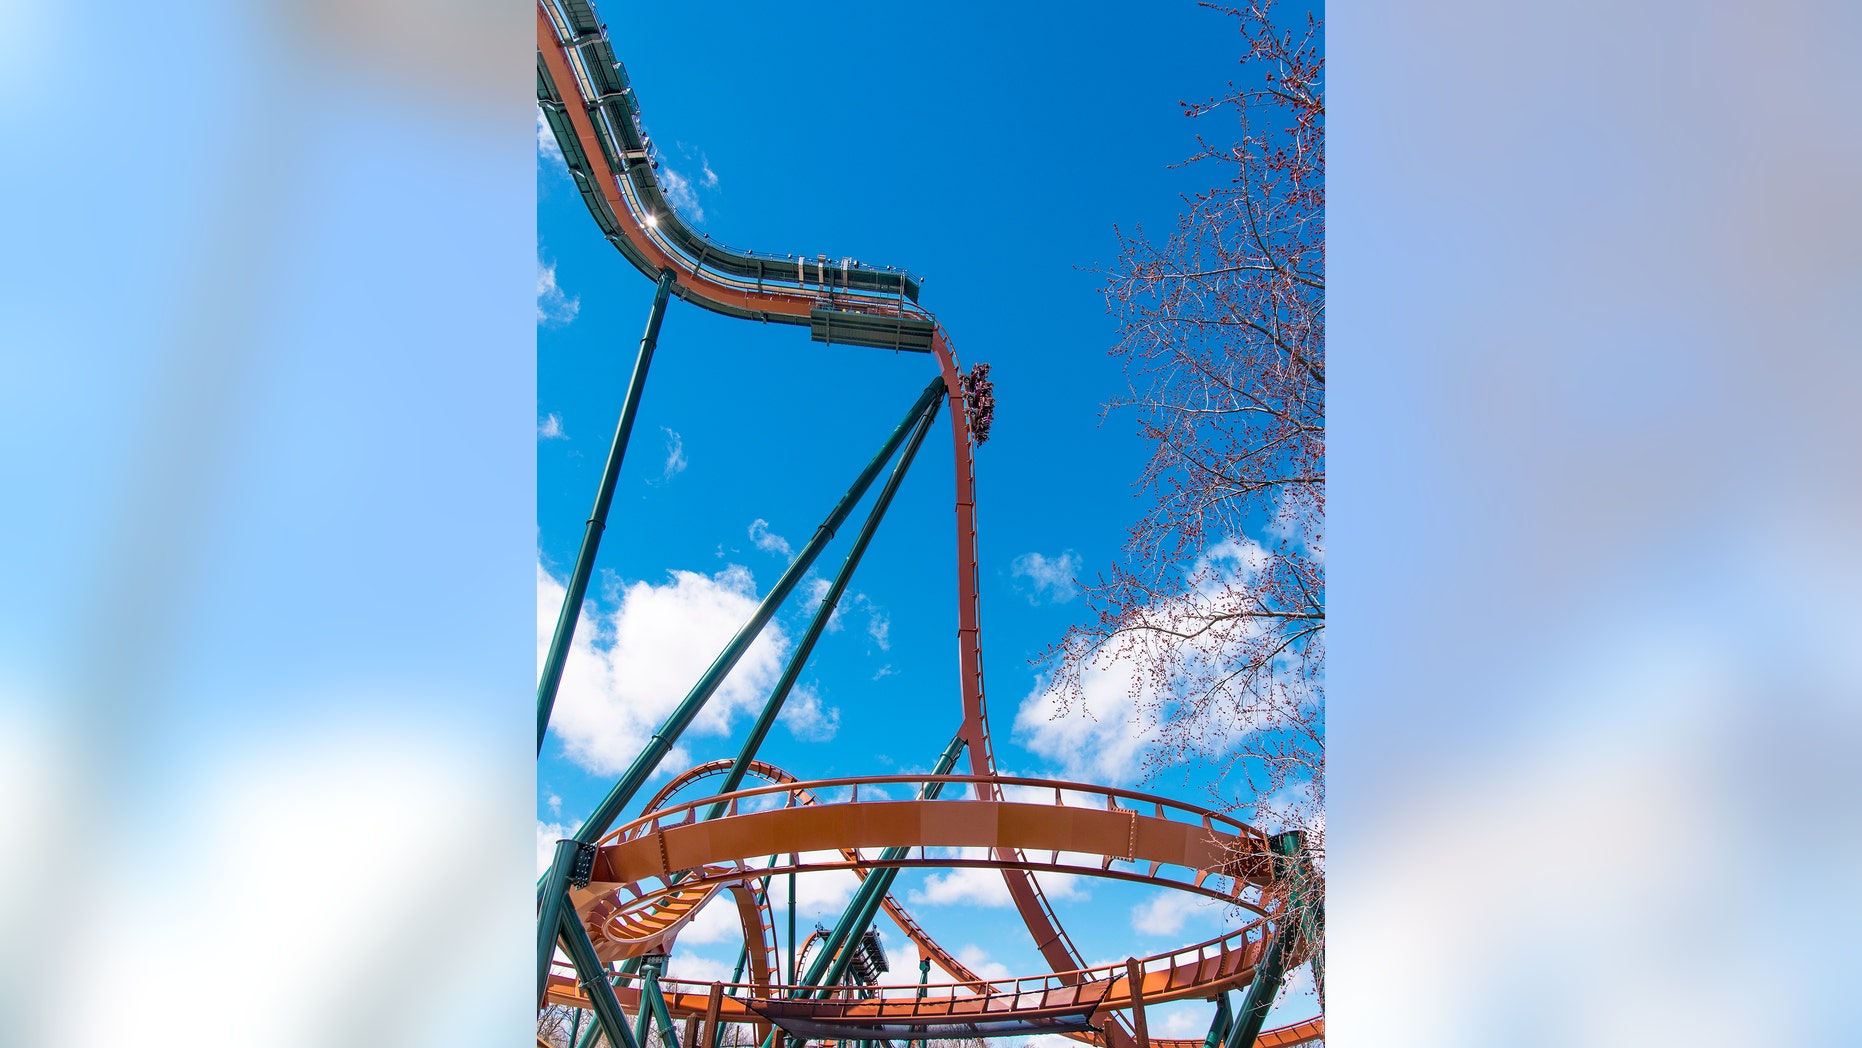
(992, 163)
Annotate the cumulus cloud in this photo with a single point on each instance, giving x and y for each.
(806, 718)
(1049, 579)
(547, 146)
(1166, 912)
(675, 453)
(554, 307)
(821, 895)
(975, 886)
(1106, 735)
(707, 177)
(767, 540)
(684, 964)
(551, 427)
(1102, 738)
(966, 885)
(879, 627)
(977, 960)
(548, 833)
(716, 922)
(628, 669)
(679, 194)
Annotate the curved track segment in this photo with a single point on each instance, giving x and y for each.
(1067, 827)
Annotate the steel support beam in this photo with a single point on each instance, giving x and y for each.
(591, 1036)
(830, 965)
(550, 908)
(594, 979)
(598, 518)
(924, 976)
(1134, 981)
(1218, 1027)
(653, 1002)
(643, 767)
(816, 626)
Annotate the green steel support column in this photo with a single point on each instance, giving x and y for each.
(743, 961)
(598, 519)
(1288, 851)
(806, 646)
(604, 815)
(594, 978)
(575, 1026)
(831, 964)
(643, 1019)
(550, 908)
(652, 999)
(924, 976)
(1218, 1028)
(590, 1036)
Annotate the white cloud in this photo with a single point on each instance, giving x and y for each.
(1166, 912)
(716, 922)
(554, 307)
(806, 719)
(885, 671)
(708, 178)
(551, 427)
(628, 669)
(679, 194)
(684, 964)
(1104, 734)
(767, 540)
(965, 885)
(548, 833)
(1100, 739)
(977, 960)
(976, 886)
(546, 140)
(1050, 580)
(555, 804)
(675, 453)
(879, 627)
(821, 895)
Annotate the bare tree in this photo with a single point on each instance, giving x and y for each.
(555, 1022)
(1218, 603)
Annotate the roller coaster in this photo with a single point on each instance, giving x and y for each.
(616, 897)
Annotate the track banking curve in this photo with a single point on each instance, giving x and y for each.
(586, 99)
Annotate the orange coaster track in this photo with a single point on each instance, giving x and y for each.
(654, 874)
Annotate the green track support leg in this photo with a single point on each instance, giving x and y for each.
(924, 977)
(1288, 864)
(824, 612)
(594, 979)
(590, 1036)
(603, 817)
(830, 965)
(550, 906)
(551, 678)
(653, 1002)
(1218, 1028)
